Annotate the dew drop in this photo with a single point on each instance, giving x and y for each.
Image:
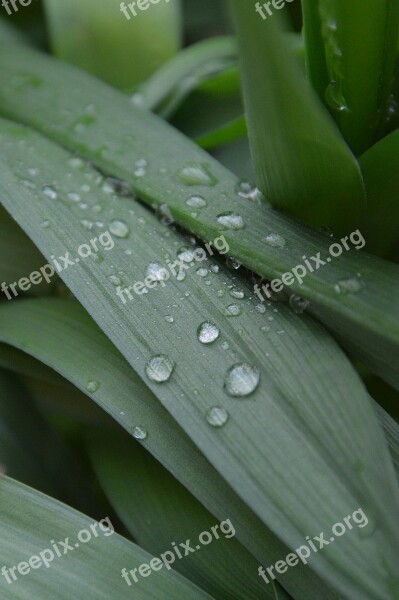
(92, 386)
(186, 254)
(202, 272)
(348, 286)
(115, 280)
(230, 220)
(119, 229)
(50, 192)
(241, 380)
(261, 308)
(139, 433)
(73, 196)
(233, 310)
(159, 368)
(157, 272)
(233, 263)
(217, 416)
(87, 224)
(225, 345)
(248, 191)
(194, 174)
(169, 319)
(76, 162)
(207, 332)
(298, 304)
(45, 224)
(275, 240)
(215, 268)
(164, 214)
(239, 294)
(196, 202)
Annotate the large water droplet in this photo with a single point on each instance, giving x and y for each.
(207, 332)
(159, 368)
(275, 240)
(119, 229)
(230, 220)
(335, 98)
(92, 386)
(217, 416)
(241, 380)
(194, 174)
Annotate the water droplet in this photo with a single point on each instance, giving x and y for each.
(73, 196)
(157, 272)
(215, 268)
(225, 345)
(233, 263)
(265, 328)
(92, 386)
(233, 310)
(207, 332)
(169, 319)
(137, 100)
(86, 224)
(76, 162)
(217, 416)
(239, 294)
(348, 286)
(261, 308)
(230, 220)
(45, 224)
(196, 202)
(50, 192)
(85, 188)
(159, 368)
(28, 184)
(275, 240)
(164, 214)
(202, 272)
(197, 175)
(119, 229)
(139, 172)
(248, 191)
(32, 171)
(141, 162)
(139, 433)
(115, 280)
(241, 380)
(298, 304)
(181, 276)
(186, 254)
(335, 98)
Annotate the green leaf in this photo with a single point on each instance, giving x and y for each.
(302, 164)
(18, 256)
(351, 53)
(123, 50)
(264, 436)
(121, 136)
(156, 509)
(380, 167)
(32, 452)
(31, 520)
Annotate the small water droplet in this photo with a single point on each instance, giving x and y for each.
(335, 98)
(196, 202)
(261, 308)
(32, 171)
(248, 191)
(28, 184)
(115, 280)
(186, 254)
(207, 332)
(159, 368)
(202, 272)
(233, 263)
(92, 386)
(230, 220)
(50, 192)
(139, 433)
(275, 240)
(169, 319)
(235, 293)
(119, 229)
(215, 268)
(217, 416)
(241, 380)
(45, 224)
(233, 310)
(164, 214)
(265, 328)
(73, 196)
(181, 276)
(225, 345)
(194, 174)
(86, 224)
(76, 162)
(85, 188)
(298, 304)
